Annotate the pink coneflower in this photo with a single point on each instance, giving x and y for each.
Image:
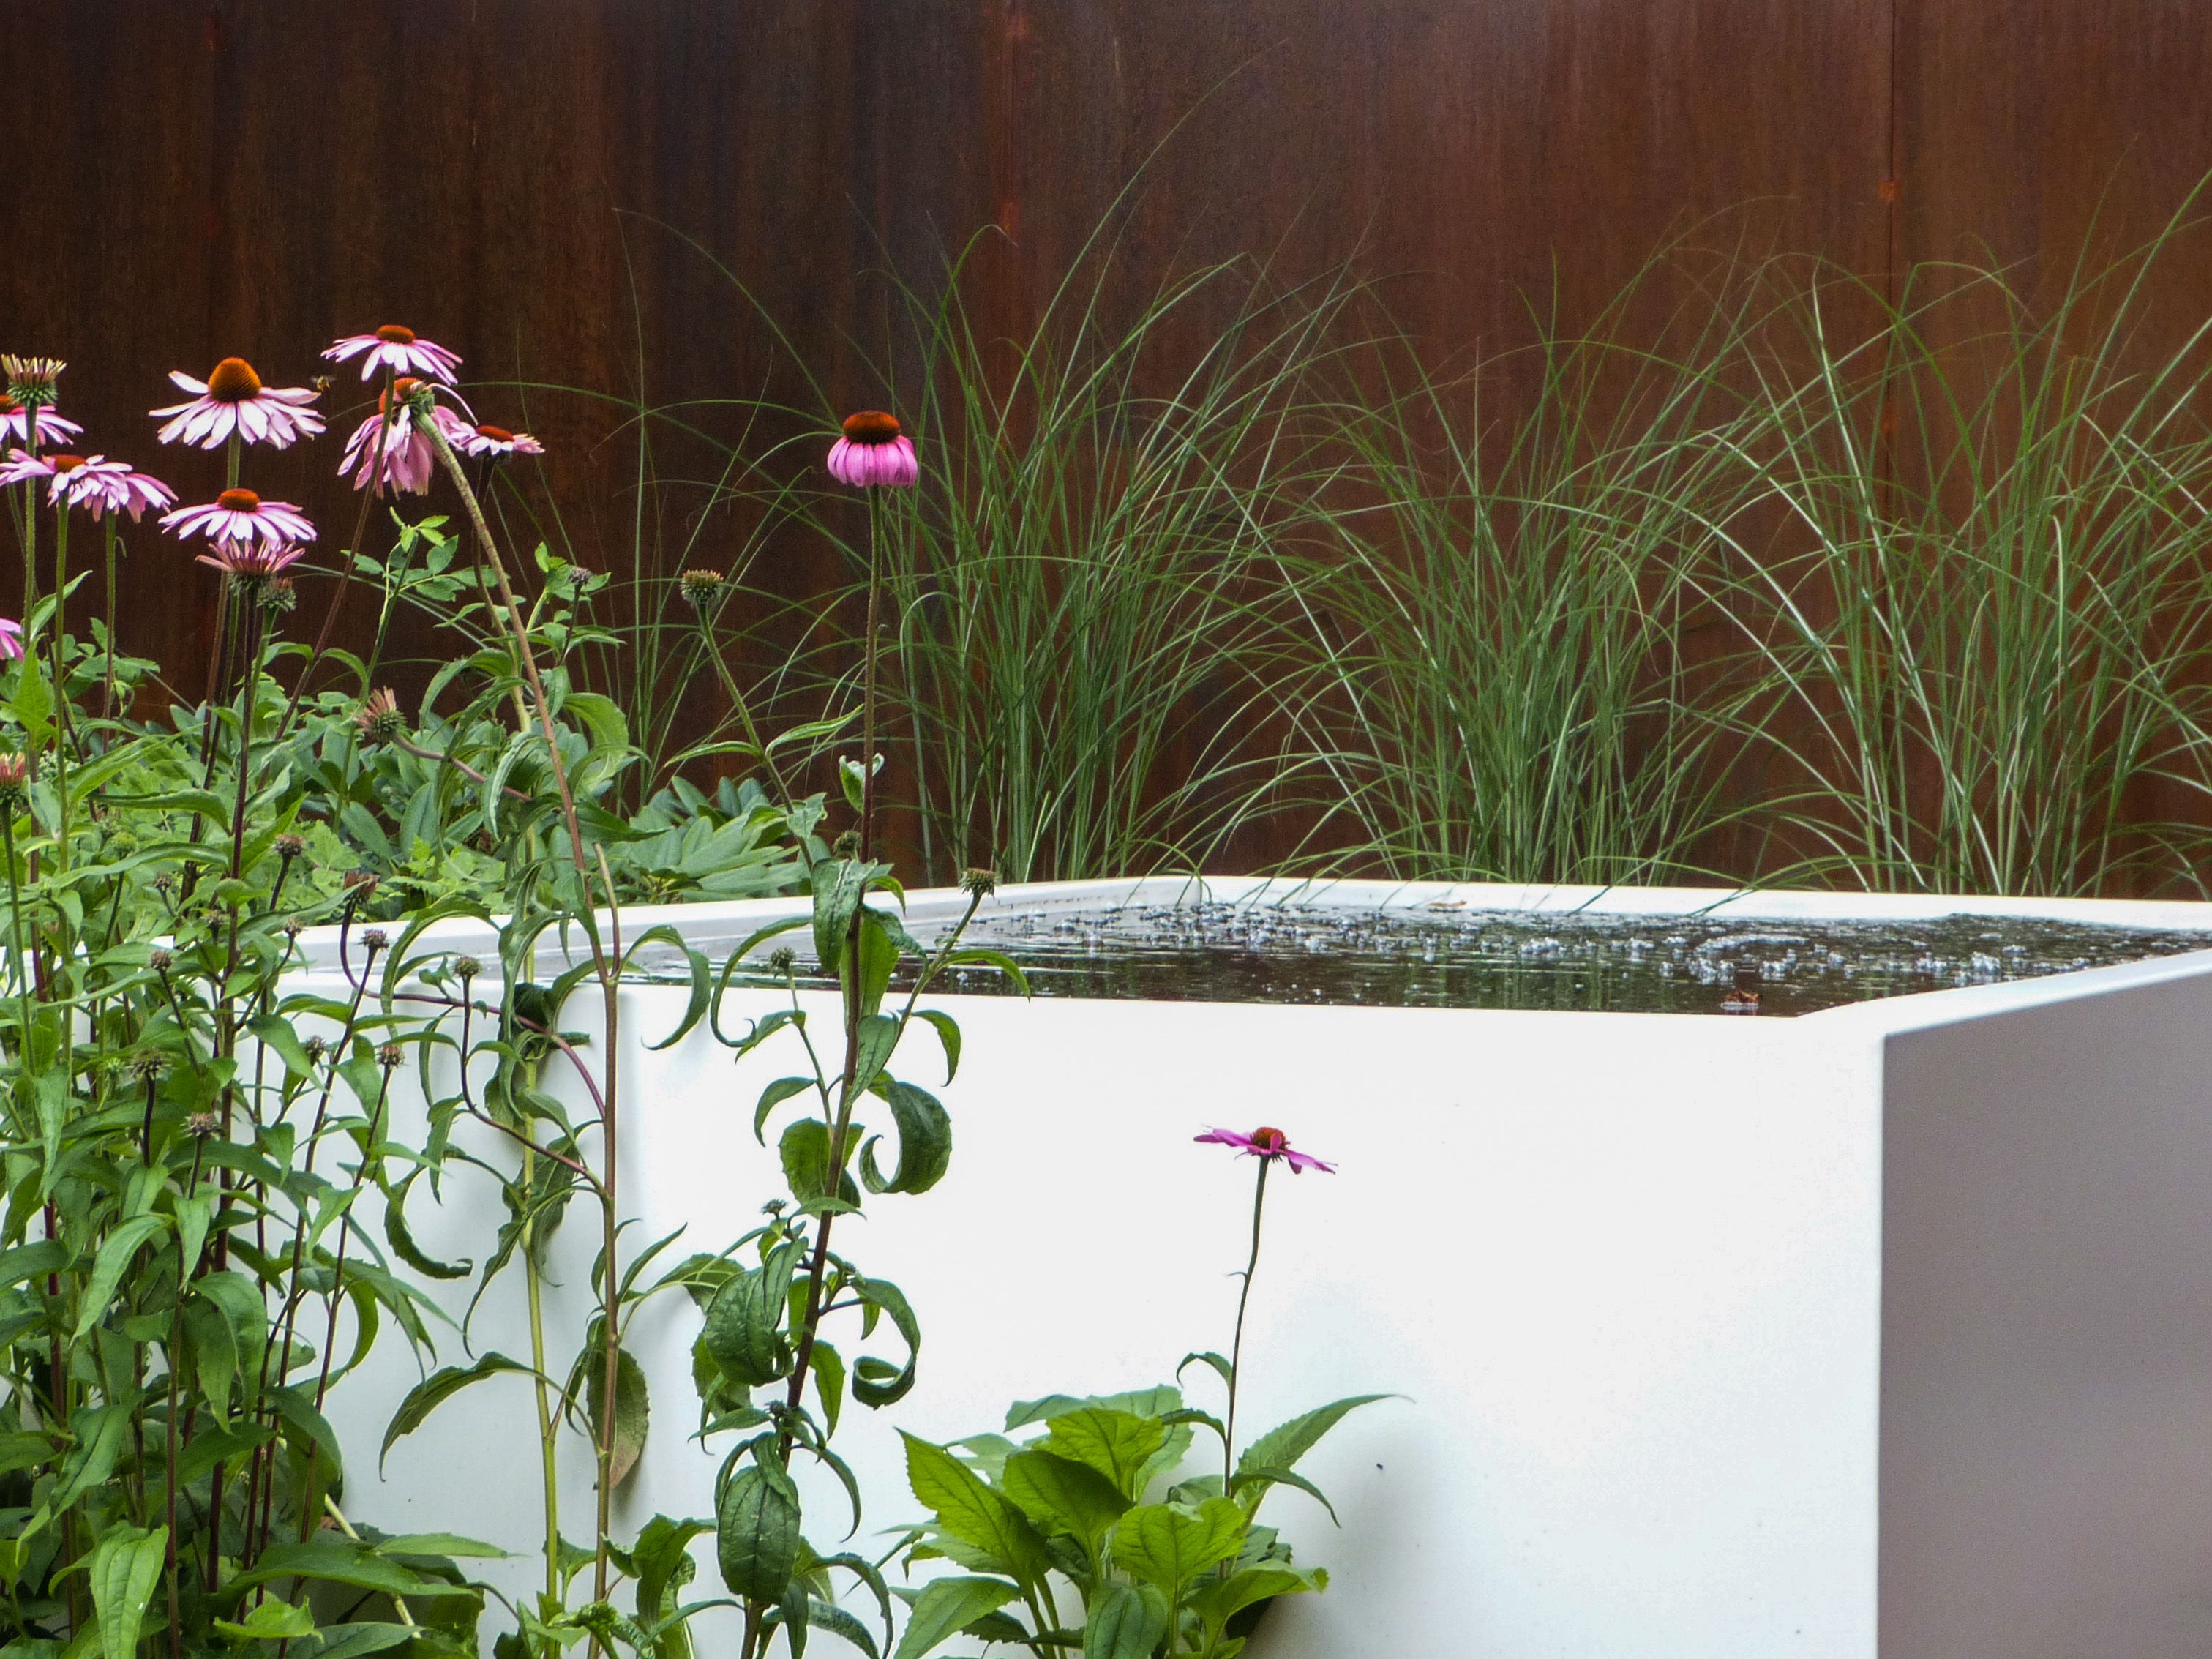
(101, 486)
(252, 561)
(23, 467)
(11, 640)
(495, 441)
(16, 423)
(1269, 1144)
(239, 515)
(399, 350)
(873, 453)
(408, 456)
(232, 399)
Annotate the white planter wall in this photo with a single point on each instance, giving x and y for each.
(1882, 1330)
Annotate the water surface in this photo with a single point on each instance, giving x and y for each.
(1441, 957)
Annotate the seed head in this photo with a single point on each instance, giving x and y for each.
(159, 961)
(701, 588)
(466, 968)
(293, 928)
(390, 1055)
(148, 1064)
(289, 846)
(201, 1125)
(360, 885)
(781, 959)
(314, 1047)
(379, 719)
(373, 940)
(166, 882)
(31, 379)
(979, 883)
(233, 380)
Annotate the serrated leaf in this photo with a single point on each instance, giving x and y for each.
(1162, 1544)
(970, 1510)
(1116, 1443)
(947, 1606)
(1281, 1448)
(1127, 1622)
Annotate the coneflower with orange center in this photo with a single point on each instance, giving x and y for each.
(873, 453)
(239, 515)
(399, 349)
(233, 400)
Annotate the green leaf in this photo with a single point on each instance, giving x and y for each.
(877, 1382)
(109, 1267)
(1256, 1482)
(875, 1039)
(1127, 1622)
(925, 1142)
(1063, 1496)
(839, 886)
(1116, 1443)
(632, 1408)
(435, 1390)
(1281, 1448)
(970, 1510)
(947, 1606)
(756, 1532)
(239, 1300)
(126, 1565)
(773, 1096)
(337, 1560)
(402, 1240)
(441, 1544)
(744, 1321)
(270, 1622)
(804, 1151)
(948, 1033)
(1217, 1600)
(357, 1641)
(828, 1616)
(1162, 1545)
(102, 1435)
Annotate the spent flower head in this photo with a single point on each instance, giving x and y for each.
(701, 588)
(202, 1126)
(978, 883)
(379, 719)
(374, 939)
(31, 379)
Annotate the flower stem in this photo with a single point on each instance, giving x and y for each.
(1237, 1343)
(547, 1441)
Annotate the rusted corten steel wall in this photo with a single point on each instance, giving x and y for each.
(538, 182)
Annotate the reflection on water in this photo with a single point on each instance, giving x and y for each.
(1448, 959)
